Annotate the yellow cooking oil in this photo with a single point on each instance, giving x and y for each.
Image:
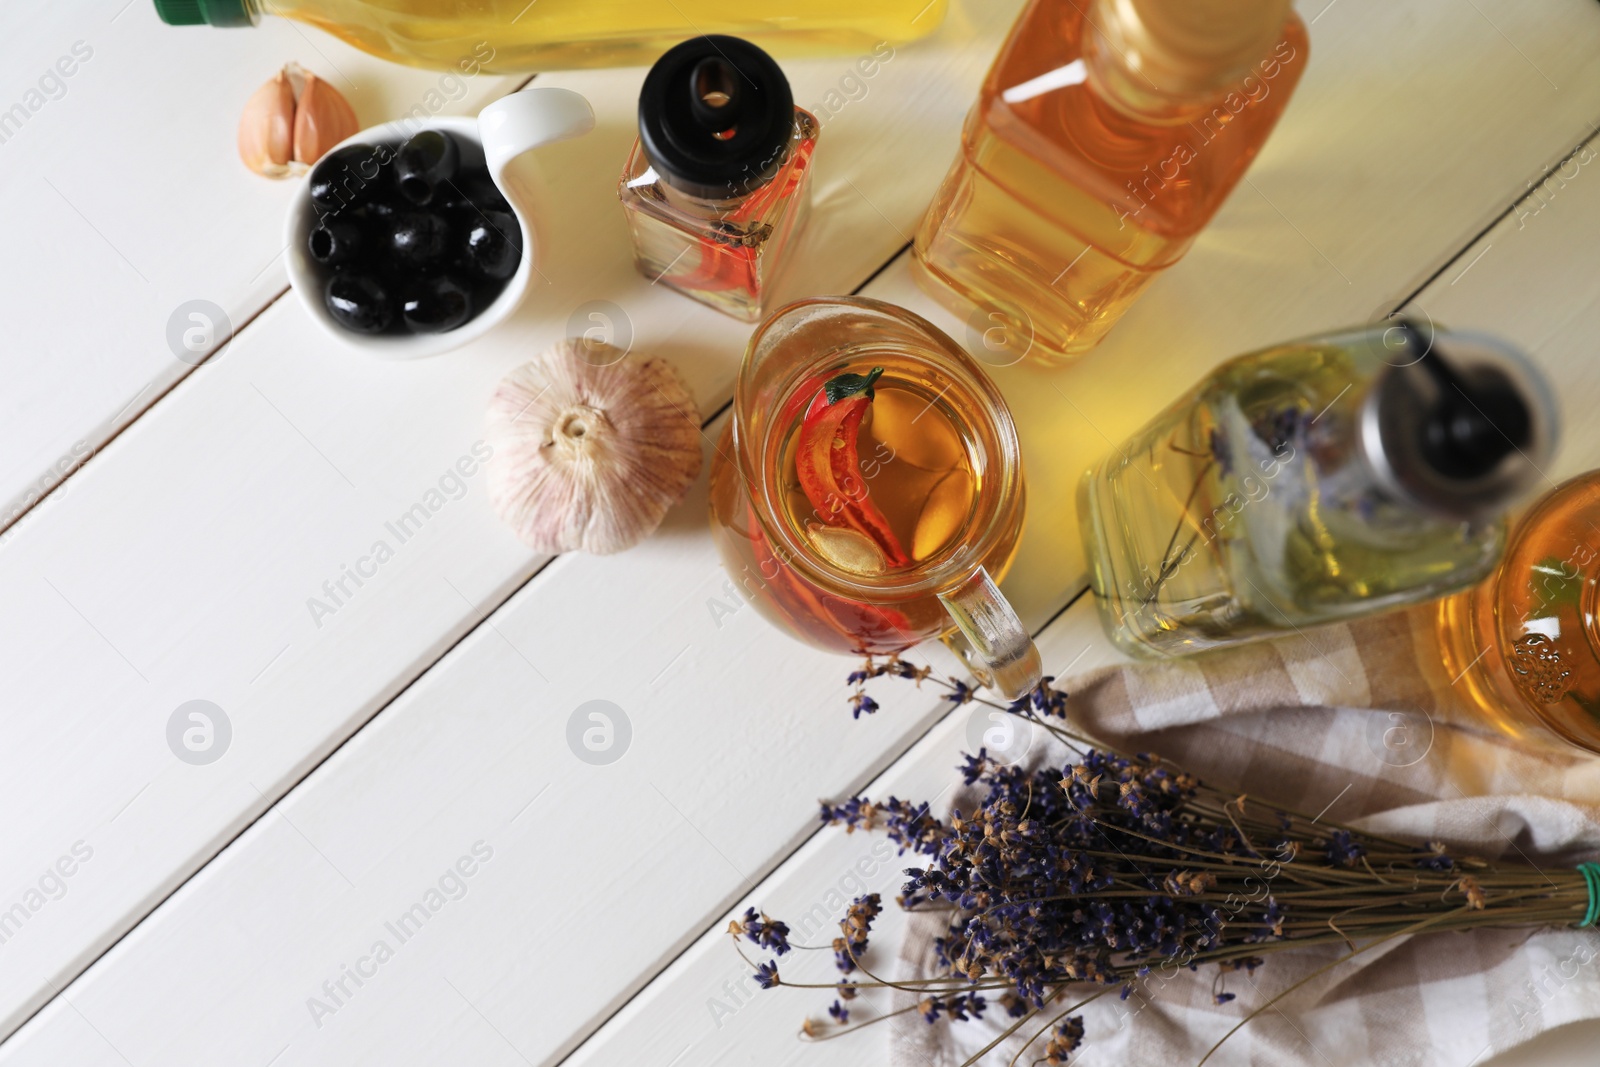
(508, 36)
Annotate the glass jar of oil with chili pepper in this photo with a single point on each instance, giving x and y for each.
(716, 189)
(867, 493)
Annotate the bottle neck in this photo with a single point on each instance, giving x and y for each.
(1165, 61)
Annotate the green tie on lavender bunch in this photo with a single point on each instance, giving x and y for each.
(1066, 885)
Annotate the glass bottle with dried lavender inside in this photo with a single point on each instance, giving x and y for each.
(1311, 482)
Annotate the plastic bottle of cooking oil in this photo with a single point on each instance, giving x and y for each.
(502, 36)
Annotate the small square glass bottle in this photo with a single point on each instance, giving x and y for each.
(717, 187)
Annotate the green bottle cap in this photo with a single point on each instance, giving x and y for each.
(205, 12)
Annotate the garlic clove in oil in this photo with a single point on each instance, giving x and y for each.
(849, 550)
(291, 122)
(266, 129)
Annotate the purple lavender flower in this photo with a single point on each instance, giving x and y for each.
(774, 936)
(901, 669)
(1434, 857)
(855, 928)
(1282, 426)
(1343, 849)
(854, 814)
(964, 1006)
(1221, 454)
(1104, 871)
(1064, 1040)
(1048, 700)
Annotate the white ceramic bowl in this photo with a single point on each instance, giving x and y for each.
(505, 129)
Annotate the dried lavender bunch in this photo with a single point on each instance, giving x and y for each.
(1067, 884)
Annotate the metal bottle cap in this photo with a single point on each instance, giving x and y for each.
(1460, 424)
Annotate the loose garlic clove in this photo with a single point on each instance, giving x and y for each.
(323, 119)
(291, 122)
(266, 129)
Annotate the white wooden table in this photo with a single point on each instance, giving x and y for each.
(165, 524)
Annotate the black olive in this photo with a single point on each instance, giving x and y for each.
(435, 305)
(474, 192)
(349, 176)
(420, 239)
(334, 243)
(358, 303)
(494, 244)
(425, 163)
(380, 212)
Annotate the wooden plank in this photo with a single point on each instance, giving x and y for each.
(729, 791)
(1525, 280)
(454, 756)
(129, 200)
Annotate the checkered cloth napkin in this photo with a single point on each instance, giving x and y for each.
(1355, 721)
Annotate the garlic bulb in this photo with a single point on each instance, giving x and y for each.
(291, 122)
(586, 456)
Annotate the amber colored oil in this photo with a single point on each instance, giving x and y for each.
(921, 457)
(723, 253)
(914, 469)
(1525, 644)
(504, 36)
(1061, 208)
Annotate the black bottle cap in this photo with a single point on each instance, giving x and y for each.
(1461, 423)
(715, 117)
(1475, 422)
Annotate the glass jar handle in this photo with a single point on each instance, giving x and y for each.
(990, 639)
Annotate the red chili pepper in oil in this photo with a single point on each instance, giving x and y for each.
(828, 462)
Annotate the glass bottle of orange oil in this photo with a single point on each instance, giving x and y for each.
(1525, 644)
(1106, 136)
(505, 36)
(1312, 482)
